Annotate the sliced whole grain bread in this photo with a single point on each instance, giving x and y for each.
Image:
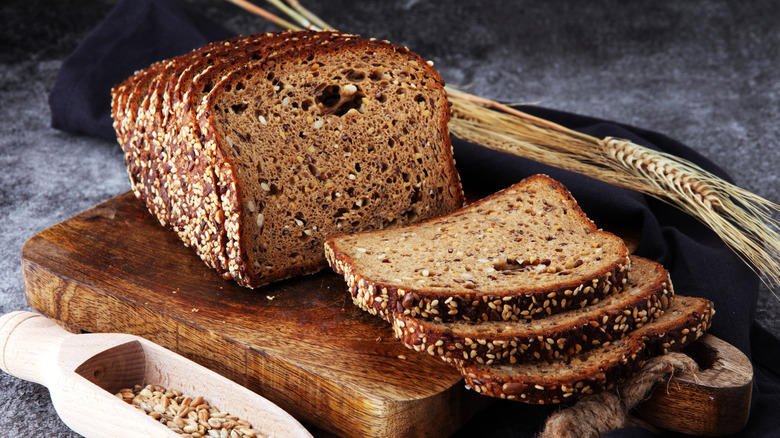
(647, 293)
(525, 252)
(256, 195)
(594, 371)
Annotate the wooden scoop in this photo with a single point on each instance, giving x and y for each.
(83, 372)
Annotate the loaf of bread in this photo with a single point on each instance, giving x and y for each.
(554, 381)
(525, 252)
(648, 292)
(254, 149)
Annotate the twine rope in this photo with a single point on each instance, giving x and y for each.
(594, 416)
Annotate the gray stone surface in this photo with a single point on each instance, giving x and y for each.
(704, 73)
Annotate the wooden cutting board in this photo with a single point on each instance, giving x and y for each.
(300, 343)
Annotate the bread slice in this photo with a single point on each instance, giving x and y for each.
(353, 136)
(648, 292)
(525, 252)
(542, 382)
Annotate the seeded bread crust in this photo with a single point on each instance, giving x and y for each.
(544, 382)
(419, 270)
(160, 158)
(190, 179)
(126, 100)
(646, 295)
(143, 152)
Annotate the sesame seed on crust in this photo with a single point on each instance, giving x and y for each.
(566, 333)
(556, 380)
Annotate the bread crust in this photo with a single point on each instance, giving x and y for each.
(125, 103)
(557, 381)
(143, 153)
(647, 294)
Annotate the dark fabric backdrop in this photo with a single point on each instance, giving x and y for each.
(140, 32)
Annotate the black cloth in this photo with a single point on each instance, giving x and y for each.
(134, 35)
(139, 32)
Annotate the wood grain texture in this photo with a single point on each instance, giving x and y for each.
(300, 343)
(714, 401)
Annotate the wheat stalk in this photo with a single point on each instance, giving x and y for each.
(317, 21)
(295, 12)
(273, 18)
(743, 220)
(292, 8)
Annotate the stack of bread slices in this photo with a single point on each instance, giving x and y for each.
(255, 148)
(522, 293)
